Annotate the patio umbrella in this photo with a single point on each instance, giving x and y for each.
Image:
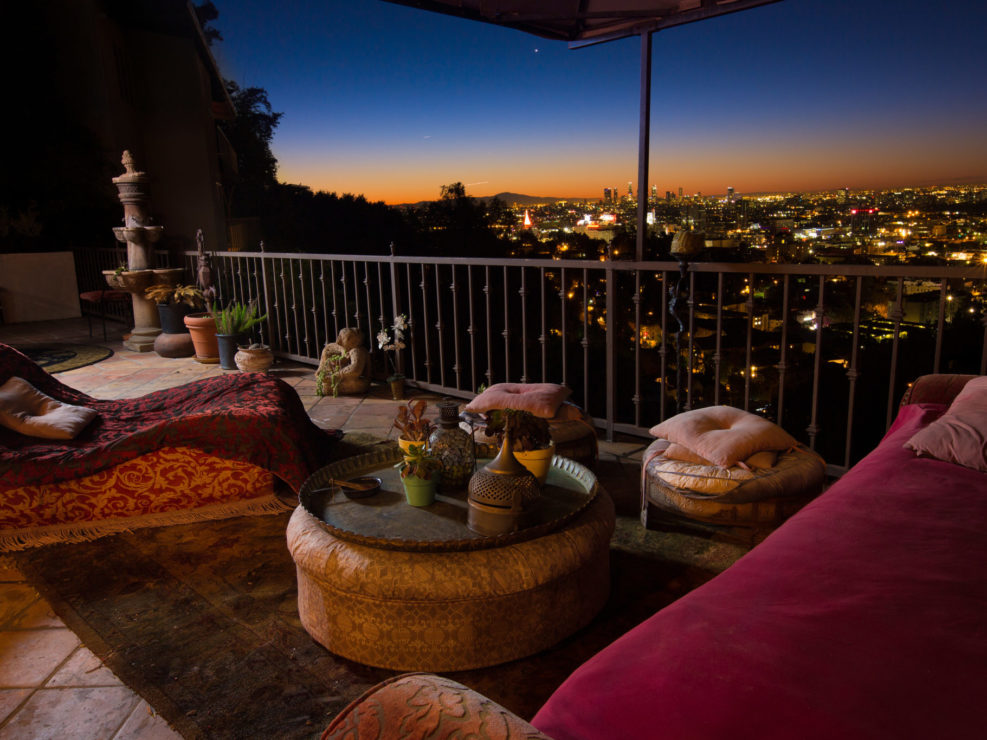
(586, 22)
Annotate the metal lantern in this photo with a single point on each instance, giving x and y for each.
(499, 492)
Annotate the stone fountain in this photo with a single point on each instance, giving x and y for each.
(140, 237)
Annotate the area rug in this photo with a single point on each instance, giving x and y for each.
(57, 358)
(201, 619)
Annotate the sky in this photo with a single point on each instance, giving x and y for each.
(391, 102)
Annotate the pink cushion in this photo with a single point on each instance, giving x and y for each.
(540, 399)
(723, 435)
(27, 410)
(960, 435)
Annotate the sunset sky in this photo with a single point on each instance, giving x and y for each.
(392, 103)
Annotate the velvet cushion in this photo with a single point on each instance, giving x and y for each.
(540, 399)
(28, 411)
(960, 435)
(724, 435)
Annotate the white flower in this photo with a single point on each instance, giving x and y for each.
(400, 323)
(383, 339)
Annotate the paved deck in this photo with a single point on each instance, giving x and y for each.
(50, 684)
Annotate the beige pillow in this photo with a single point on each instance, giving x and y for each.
(960, 435)
(27, 410)
(724, 435)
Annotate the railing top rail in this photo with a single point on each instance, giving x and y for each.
(906, 271)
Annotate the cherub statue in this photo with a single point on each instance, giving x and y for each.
(349, 377)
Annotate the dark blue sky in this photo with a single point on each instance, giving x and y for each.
(392, 102)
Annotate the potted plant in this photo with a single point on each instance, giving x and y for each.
(175, 302)
(414, 427)
(233, 324)
(530, 437)
(420, 474)
(386, 343)
(330, 375)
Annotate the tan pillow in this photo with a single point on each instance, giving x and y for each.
(724, 435)
(701, 478)
(27, 410)
(960, 435)
(764, 459)
(540, 399)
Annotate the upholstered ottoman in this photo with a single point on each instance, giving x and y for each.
(724, 466)
(447, 611)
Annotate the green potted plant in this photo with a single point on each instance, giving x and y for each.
(174, 302)
(414, 427)
(233, 324)
(330, 375)
(420, 474)
(530, 438)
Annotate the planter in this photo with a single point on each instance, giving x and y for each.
(418, 491)
(228, 344)
(405, 444)
(172, 317)
(203, 329)
(397, 389)
(537, 461)
(254, 359)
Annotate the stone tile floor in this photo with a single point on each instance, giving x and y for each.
(51, 685)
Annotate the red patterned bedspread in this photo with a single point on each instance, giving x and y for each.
(249, 417)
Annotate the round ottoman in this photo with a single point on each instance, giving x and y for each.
(447, 611)
(761, 502)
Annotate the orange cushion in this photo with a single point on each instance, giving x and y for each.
(724, 435)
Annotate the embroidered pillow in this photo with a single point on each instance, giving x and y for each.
(960, 435)
(28, 411)
(724, 435)
(540, 399)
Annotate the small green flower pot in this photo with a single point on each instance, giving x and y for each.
(418, 491)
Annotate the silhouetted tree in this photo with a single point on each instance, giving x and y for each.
(205, 13)
(250, 133)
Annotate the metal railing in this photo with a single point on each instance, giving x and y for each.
(824, 350)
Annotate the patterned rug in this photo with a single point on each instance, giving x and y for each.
(201, 619)
(57, 358)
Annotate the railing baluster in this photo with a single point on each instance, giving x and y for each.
(748, 361)
(852, 373)
(439, 334)
(636, 398)
(943, 291)
(782, 362)
(718, 353)
(411, 323)
(563, 292)
(543, 336)
(813, 428)
(488, 313)
(663, 350)
(585, 340)
(507, 325)
(428, 343)
(897, 314)
(691, 304)
(472, 328)
(456, 367)
(523, 292)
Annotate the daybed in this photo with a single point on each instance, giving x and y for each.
(207, 449)
(863, 616)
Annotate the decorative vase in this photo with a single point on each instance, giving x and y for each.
(539, 462)
(418, 491)
(397, 389)
(202, 326)
(257, 358)
(499, 492)
(453, 447)
(228, 344)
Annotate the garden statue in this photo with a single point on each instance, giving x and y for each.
(345, 375)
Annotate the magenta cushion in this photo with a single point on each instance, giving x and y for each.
(861, 617)
(724, 435)
(960, 435)
(540, 399)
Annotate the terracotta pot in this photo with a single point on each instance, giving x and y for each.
(537, 461)
(254, 359)
(203, 329)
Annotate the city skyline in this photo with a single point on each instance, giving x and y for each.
(391, 103)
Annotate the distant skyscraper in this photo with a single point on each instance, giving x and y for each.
(654, 192)
(606, 195)
(668, 195)
(680, 192)
(630, 190)
(730, 193)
